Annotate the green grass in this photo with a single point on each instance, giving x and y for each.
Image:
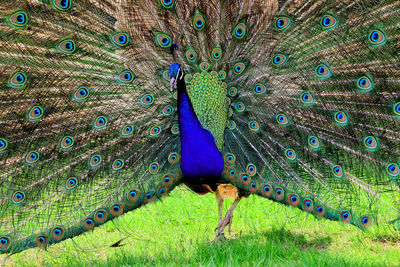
(178, 231)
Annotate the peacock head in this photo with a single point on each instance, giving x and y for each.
(176, 74)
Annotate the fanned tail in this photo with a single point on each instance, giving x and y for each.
(88, 127)
(315, 122)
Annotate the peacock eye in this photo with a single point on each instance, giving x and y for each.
(199, 21)
(282, 23)
(17, 80)
(323, 72)
(167, 3)
(120, 39)
(61, 5)
(18, 19)
(377, 37)
(329, 22)
(240, 30)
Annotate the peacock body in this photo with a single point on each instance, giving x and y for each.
(108, 105)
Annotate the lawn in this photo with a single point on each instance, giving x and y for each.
(178, 231)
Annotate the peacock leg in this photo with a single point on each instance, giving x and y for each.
(227, 220)
(220, 200)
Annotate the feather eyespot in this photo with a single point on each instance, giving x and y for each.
(244, 179)
(100, 216)
(175, 129)
(345, 216)
(18, 19)
(251, 169)
(216, 53)
(95, 161)
(66, 46)
(18, 80)
(279, 59)
(127, 130)
(188, 78)
(365, 222)
(41, 241)
(254, 126)
(282, 119)
(232, 91)
(165, 75)
(279, 193)
(32, 157)
(116, 210)
(57, 233)
(313, 142)
(293, 200)
(365, 84)
(240, 107)
(371, 143)
(392, 170)
(329, 22)
(290, 154)
(267, 190)
(204, 66)
(88, 223)
(253, 187)
(167, 3)
(320, 211)
(36, 113)
(3, 144)
(396, 109)
(168, 110)
(240, 30)
(173, 158)
(323, 72)
(149, 197)
(71, 183)
(167, 180)
(18, 197)
(239, 68)
(191, 55)
(222, 74)
(4, 242)
(230, 158)
(307, 98)
(163, 40)
(308, 205)
(118, 164)
(100, 122)
(259, 89)
(154, 167)
(126, 77)
(377, 37)
(341, 118)
(133, 195)
(147, 100)
(199, 21)
(282, 23)
(231, 125)
(120, 39)
(155, 131)
(81, 94)
(337, 171)
(66, 143)
(61, 5)
(230, 174)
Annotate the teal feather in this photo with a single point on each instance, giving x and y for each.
(89, 127)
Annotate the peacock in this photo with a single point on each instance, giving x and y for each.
(107, 105)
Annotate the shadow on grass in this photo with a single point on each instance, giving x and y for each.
(273, 247)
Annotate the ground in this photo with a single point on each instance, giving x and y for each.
(178, 231)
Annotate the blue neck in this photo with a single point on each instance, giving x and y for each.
(201, 161)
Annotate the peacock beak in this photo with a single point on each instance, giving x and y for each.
(172, 80)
